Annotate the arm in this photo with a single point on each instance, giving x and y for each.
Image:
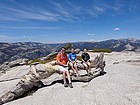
(88, 58)
(82, 58)
(75, 58)
(69, 57)
(58, 58)
(61, 64)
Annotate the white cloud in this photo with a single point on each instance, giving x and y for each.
(66, 11)
(46, 28)
(57, 10)
(98, 9)
(24, 38)
(21, 12)
(116, 29)
(8, 38)
(11, 13)
(91, 34)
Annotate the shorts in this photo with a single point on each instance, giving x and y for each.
(85, 65)
(61, 68)
(72, 65)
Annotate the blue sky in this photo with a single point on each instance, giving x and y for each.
(49, 21)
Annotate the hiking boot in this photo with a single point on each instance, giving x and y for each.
(70, 85)
(77, 75)
(65, 85)
(89, 73)
(71, 73)
(94, 72)
(1, 102)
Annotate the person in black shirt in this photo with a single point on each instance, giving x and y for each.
(86, 61)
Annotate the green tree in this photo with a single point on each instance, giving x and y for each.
(68, 46)
(102, 50)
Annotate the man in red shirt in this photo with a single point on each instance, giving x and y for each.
(62, 60)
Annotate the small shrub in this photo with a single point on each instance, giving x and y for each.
(79, 58)
(33, 61)
(46, 61)
(68, 46)
(41, 61)
(102, 50)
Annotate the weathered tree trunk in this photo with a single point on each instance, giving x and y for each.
(98, 62)
(86, 78)
(42, 71)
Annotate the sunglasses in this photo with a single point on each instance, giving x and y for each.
(63, 50)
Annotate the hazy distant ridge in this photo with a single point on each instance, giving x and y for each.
(33, 50)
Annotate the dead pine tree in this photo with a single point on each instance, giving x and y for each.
(42, 71)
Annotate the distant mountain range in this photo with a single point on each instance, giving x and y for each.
(33, 50)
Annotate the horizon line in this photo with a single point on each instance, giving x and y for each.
(69, 41)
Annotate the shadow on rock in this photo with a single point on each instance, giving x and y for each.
(60, 81)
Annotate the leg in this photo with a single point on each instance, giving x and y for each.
(69, 79)
(64, 77)
(86, 66)
(68, 75)
(72, 67)
(89, 66)
(76, 69)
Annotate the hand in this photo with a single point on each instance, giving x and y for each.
(73, 62)
(65, 65)
(59, 72)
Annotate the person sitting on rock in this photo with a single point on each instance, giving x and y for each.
(72, 62)
(62, 60)
(86, 61)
